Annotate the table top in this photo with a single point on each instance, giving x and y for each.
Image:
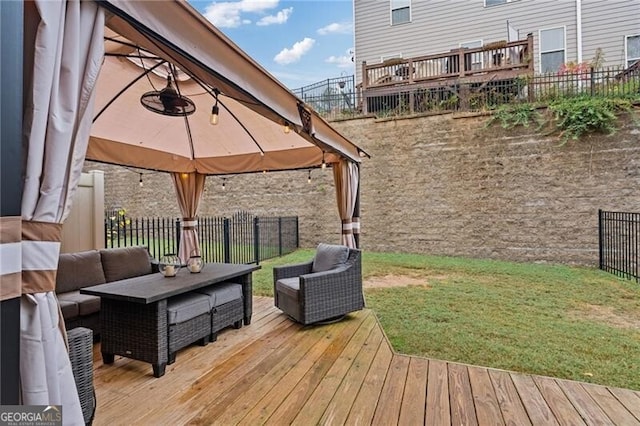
(153, 287)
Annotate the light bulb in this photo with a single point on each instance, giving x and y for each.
(141, 184)
(223, 185)
(286, 128)
(215, 111)
(309, 178)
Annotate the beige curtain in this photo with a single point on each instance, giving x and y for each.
(63, 55)
(346, 178)
(189, 188)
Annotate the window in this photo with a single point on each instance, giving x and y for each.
(488, 3)
(400, 11)
(632, 49)
(552, 49)
(472, 61)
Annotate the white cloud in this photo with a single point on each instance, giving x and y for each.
(279, 18)
(337, 28)
(228, 14)
(340, 61)
(289, 56)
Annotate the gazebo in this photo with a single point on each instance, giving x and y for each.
(140, 84)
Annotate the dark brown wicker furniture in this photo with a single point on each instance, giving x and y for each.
(133, 316)
(189, 320)
(80, 341)
(311, 297)
(226, 302)
(93, 267)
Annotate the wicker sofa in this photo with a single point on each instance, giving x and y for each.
(87, 268)
(323, 289)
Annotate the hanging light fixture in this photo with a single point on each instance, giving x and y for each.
(224, 181)
(286, 128)
(324, 164)
(215, 111)
(309, 177)
(141, 184)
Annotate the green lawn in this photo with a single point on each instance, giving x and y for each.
(568, 322)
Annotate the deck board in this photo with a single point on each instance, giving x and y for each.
(277, 372)
(415, 393)
(460, 397)
(484, 397)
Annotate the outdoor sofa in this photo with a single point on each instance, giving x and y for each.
(93, 267)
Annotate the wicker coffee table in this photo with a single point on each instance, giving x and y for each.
(133, 312)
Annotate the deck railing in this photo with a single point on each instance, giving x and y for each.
(509, 58)
(619, 243)
(242, 238)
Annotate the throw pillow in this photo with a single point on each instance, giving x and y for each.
(329, 256)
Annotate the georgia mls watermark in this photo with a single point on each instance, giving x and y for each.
(30, 415)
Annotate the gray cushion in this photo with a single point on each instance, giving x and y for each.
(329, 256)
(77, 270)
(69, 309)
(289, 286)
(125, 262)
(187, 306)
(220, 294)
(87, 304)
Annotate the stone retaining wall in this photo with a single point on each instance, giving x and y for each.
(438, 185)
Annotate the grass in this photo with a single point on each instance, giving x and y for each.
(567, 322)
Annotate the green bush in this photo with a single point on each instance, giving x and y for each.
(575, 117)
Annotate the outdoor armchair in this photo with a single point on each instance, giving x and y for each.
(324, 289)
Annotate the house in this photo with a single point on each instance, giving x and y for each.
(563, 31)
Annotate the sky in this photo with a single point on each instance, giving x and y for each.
(299, 42)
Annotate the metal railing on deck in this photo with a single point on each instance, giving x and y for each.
(241, 238)
(619, 243)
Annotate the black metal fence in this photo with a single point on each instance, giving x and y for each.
(331, 98)
(242, 238)
(619, 243)
(339, 98)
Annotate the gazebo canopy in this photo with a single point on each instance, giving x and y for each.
(204, 65)
(79, 104)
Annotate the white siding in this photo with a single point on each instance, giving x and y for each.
(605, 24)
(440, 25)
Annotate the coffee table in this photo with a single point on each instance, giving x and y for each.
(133, 312)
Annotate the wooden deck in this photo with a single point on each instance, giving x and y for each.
(277, 372)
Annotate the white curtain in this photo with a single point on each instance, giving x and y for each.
(63, 54)
(189, 188)
(346, 178)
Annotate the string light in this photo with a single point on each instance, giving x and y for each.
(224, 181)
(286, 128)
(324, 165)
(309, 177)
(141, 184)
(215, 111)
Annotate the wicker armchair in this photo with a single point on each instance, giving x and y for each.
(310, 297)
(81, 355)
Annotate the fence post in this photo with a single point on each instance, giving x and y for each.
(107, 238)
(600, 248)
(226, 243)
(280, 236)
(297, 234)
(592, 80)
(256, 239)
(177, 238)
